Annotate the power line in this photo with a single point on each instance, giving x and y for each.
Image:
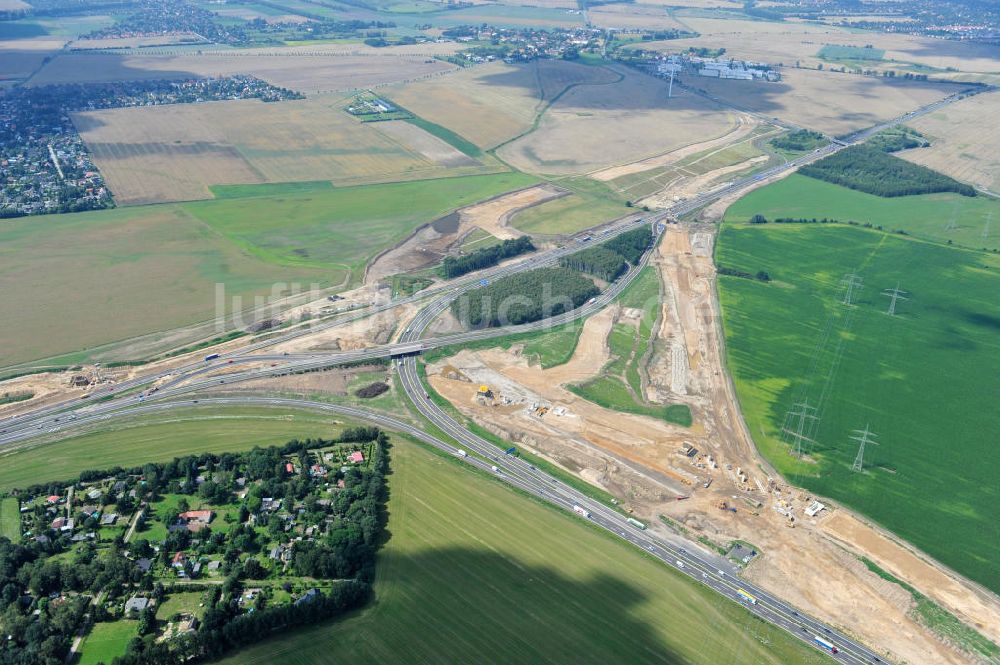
(805, 414)
(894, 295)
(852, 283)
(863, 437)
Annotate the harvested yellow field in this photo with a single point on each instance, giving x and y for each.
(697, 4)
(828, 102)
(175, 153)
(625, 16)
(493, 103)
(594, 126)
(965, 141)
(486, 105)
(788, 42)
(313, 69)
(137, 42)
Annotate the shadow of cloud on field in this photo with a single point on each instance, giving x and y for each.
(84, 67)
(460, 605)
(610, 95)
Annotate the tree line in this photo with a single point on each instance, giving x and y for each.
(868, 169)
(454, 266)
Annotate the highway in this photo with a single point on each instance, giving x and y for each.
(191, 378)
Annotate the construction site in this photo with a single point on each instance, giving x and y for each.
(706, 482)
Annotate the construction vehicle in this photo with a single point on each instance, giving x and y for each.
(725, 506)
(682, 498)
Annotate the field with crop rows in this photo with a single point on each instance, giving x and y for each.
(924, 380)
(177, 153)
(473, 572)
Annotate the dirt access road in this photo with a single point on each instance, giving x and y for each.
(814, 563)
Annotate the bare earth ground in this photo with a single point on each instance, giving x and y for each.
(814, 565)
(321, 68)
(430, 243)
(965, 141)
(829, 102)
(175, 153)
(595, 126)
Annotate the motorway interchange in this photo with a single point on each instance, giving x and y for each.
(118, 402)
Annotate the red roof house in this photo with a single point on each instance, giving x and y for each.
(357, 457)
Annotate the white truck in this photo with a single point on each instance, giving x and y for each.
(580, 510)
(462, 453)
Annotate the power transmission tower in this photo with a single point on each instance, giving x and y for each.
(863, 437)
(894, 295)
(805, 415)
(852, 283)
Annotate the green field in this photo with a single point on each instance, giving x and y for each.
(945, 217)
(565, 215)
(475, 573)
(339, 228)
(10, 519)
(161, 438)
(925, 380)
(100, 277)
(106, 641)
(837, 52)
(187, 601)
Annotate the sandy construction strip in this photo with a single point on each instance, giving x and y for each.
(692, 186)
(977, 609)
(744, 125)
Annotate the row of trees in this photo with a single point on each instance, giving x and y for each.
(454, 266)
(524, 297)
(868, 169)
(598, 261)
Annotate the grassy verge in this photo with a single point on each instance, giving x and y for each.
(945, 624)
(451, 138)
